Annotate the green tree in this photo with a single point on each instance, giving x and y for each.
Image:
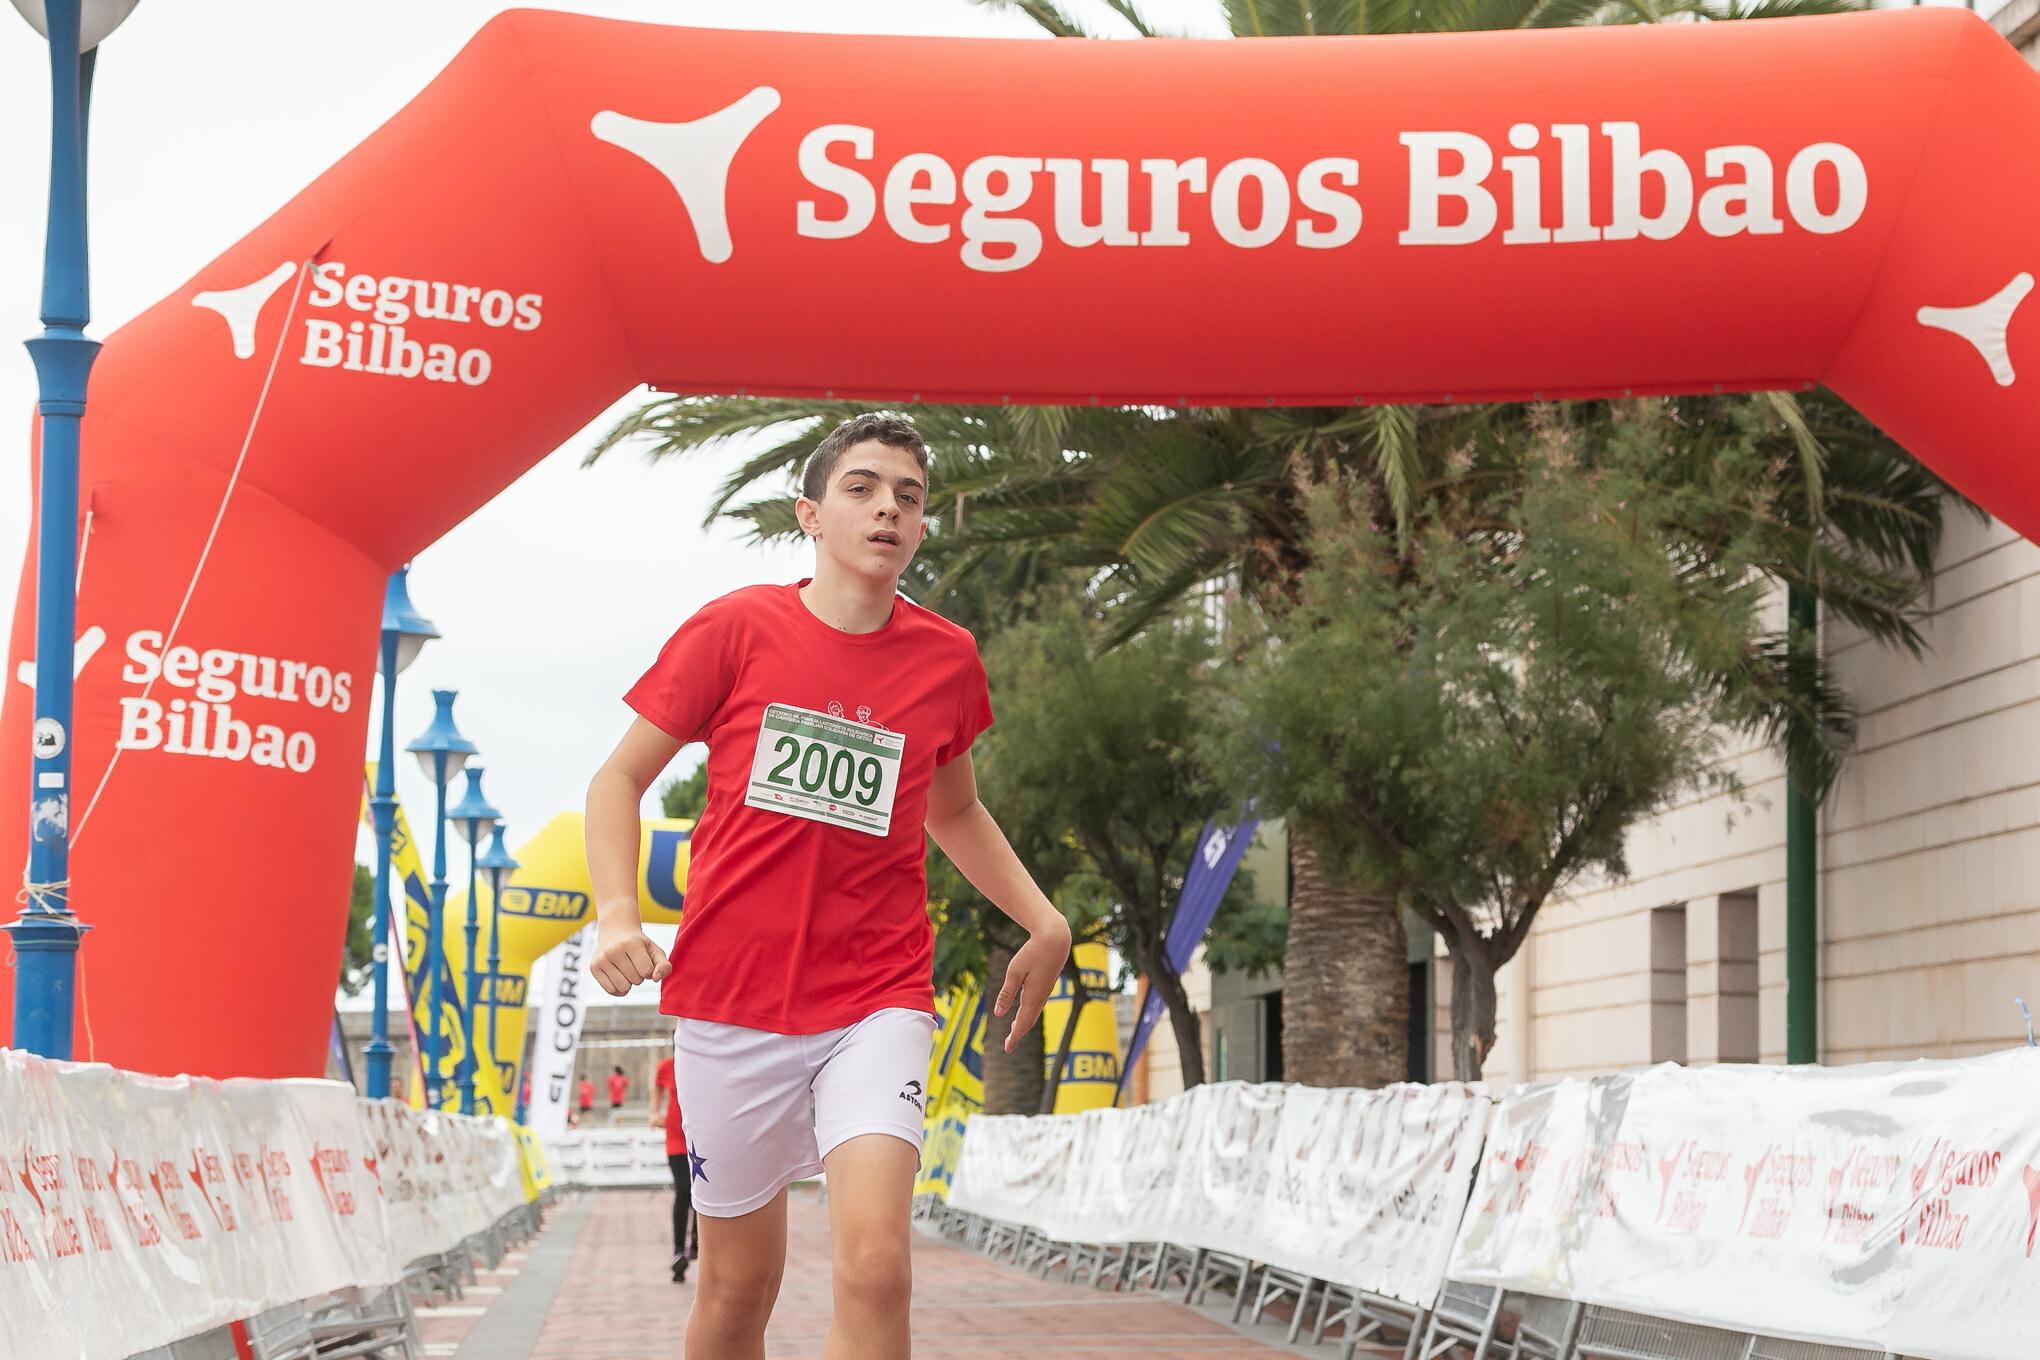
(685, 797)
(1094, 750)
(1517, 686)
(357, 954)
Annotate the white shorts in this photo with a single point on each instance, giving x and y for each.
(762, 1110)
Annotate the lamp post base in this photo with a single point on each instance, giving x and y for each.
(46, 970)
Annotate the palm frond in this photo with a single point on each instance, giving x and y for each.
(1050, 16)
(770, 521)
(1143, 603)
(1775, 9)
(1245, 19)
(1133, 17)
(1392, 434)
(1798, 707)
(1812, 453)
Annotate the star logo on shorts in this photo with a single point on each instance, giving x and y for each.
(696, 1162)
(911, 1093)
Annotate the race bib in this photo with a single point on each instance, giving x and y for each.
(825, 769)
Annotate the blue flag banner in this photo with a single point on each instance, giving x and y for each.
(1219, 849)
(336, 1043)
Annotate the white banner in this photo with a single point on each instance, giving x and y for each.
(138, 1210)
(560, 1012)
(1889, 1205)
(610, 1157)
(1364, 1188)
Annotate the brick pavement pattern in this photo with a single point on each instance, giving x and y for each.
(617, 1303)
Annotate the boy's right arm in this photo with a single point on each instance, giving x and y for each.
(624, 955)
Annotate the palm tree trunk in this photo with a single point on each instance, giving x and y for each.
(1013, 1081)
(1345, 978)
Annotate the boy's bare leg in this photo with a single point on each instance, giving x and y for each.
(742, 1260)
(871, 1194)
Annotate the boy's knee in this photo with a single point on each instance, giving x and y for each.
(736, 1297)
(874, 1274)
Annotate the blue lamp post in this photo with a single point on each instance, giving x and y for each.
(476, 819)
(45, 935)
(442, 750)
(497, 861)
(404, 633)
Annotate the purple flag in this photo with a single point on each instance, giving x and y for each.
(1219, 849)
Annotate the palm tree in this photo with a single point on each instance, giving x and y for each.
(1166, 506)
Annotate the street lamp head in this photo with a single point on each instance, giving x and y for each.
(413, 629)
(442, 738)
(474, 812)
(96, 19)
(497, 858)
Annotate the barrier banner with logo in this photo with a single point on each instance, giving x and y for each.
(1364, 1188)
(532, 1164)
(1887, 1205)
(146, 1209)
(1091, 1071)
(953, 1091)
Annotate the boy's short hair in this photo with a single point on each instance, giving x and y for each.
(893, 431)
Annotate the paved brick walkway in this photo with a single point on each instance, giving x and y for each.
(615, 1301)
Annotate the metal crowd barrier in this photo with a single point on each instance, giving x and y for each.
(364, 1323)
(1465, 1321)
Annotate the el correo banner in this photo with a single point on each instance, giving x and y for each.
(561, 1011)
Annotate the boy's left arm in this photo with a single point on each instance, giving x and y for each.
(959, 823)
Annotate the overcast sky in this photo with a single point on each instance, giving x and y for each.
(206, 118)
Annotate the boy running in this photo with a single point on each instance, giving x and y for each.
(839, 719)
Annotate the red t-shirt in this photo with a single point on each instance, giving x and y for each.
(587, 1094)
(676, 1140)
(618, 1085)
(795, 922)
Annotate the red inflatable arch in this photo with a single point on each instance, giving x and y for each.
(577, 206)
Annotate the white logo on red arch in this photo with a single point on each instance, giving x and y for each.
(388, 324)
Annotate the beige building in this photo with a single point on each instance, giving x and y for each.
(1929, 905)
(1929, 881)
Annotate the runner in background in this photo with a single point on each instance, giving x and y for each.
(666, 1114)
(619, 1087)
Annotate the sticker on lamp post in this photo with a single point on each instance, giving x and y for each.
(49, 738)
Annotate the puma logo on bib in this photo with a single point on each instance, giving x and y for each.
(825, 769)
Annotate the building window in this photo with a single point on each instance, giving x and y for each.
(1271, 1031)
(1735, 1001)
(1668, 984)
(1418, 1064)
